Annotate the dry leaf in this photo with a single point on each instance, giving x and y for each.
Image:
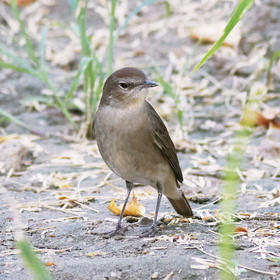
(133, 208)
(270, 116)
(21, 2)
(245, 214)
(49, 263)
(211, 32)
(208, 219)
(13, 149)
(95, 253)
(254, 174)
(12, 155)
(240, 229)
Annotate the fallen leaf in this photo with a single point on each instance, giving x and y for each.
(245, 214)
(270, 116)
(240, 229)
(25, 2)
(12, 153)
(21, 2)
(211, 32)
(208, 219)
(254, 174)
(49, 263)
(95, 253)
(133, 208)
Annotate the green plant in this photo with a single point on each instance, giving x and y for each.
(31, 261)
(231, 179)
(90, 69)
(111, 37)
(170, 92)
(230, 189)
(35, 67)
(238, 13)
(274, 57)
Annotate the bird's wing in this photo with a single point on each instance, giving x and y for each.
(163, 141)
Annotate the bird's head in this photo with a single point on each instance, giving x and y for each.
(126, 86)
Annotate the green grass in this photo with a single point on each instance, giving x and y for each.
(275, 56)
(231, 183)
(11, 118)
(170, 92)
(238, 13)
(34, 66)
(234, 161)
(111, 37)
(92, 69)
(32, 262)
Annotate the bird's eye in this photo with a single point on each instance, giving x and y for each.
(124, 85)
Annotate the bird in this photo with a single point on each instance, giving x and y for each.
(135, 144)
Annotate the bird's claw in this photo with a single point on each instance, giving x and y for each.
(117, 230)
(151, 231)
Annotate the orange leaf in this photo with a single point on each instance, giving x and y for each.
(133, 208)
(49, 263)
(245, 214)
(269, 116)
(208, 218)
(241, 229)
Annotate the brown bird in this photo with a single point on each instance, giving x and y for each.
(134, 142)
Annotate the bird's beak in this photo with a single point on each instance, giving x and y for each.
(149, 83)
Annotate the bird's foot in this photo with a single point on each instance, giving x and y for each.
(151, 231)
(118, 230)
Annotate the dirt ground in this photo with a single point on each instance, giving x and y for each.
(61, 187)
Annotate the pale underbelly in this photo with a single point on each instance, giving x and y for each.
(135, 160)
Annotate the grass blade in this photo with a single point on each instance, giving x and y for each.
(82, 27)
(241, 8)
(29, 46)
(82, 67)
(111, 37)
(167, 8)
(19, 62)
(168, 89)
(13, 67)
(274, 57)
(228, 204)
(18, 122)
(31, 261)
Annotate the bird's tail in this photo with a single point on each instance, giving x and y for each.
(181, 206)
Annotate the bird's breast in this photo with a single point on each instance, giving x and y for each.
(126, 144)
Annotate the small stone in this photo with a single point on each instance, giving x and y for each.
(119, 237)
(154, 275)
(131, 219)
(145, 221)
(113, 274)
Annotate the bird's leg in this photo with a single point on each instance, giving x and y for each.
(153, 228)
(129, 187)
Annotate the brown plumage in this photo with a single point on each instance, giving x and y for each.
(135, 143)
